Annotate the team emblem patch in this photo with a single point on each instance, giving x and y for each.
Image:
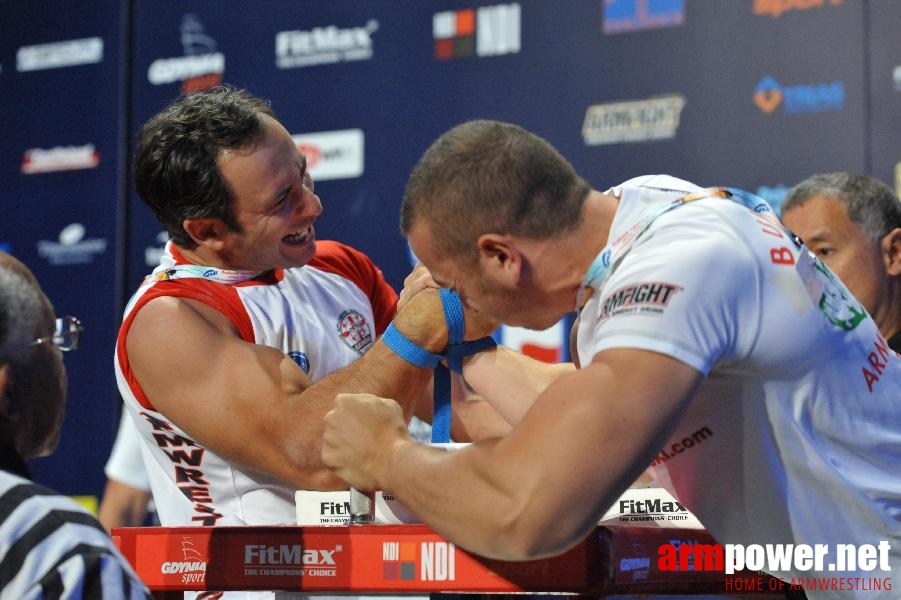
(354, 330)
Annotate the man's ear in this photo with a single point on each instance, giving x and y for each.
(500, 258)
(206, 232)
(891, 252)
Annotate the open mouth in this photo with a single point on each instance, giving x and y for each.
(299, 237)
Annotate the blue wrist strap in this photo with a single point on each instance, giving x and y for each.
(456, 353)
(453, 315)
(407, 350)
(442, 411)
(457, 349)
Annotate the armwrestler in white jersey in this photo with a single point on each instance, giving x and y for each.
(232, 351)
(712, 345)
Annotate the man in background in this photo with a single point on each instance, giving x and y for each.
(52, 547)
(127, 500)
(853, 223)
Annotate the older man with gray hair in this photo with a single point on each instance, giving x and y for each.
(853, 223)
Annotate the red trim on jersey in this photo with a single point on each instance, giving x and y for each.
(335, 257)
(331, 257)
(222, 298)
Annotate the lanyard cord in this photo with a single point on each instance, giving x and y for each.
(613, 252)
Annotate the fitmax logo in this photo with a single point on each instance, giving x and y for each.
(796, 99)
(284, 554)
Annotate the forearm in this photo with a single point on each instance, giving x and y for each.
(516, 497)
(446, 495)
(380, 372)
(510, 381)
(539, 490)
(471, 497)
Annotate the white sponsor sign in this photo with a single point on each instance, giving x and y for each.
(633, 120)
(332, 154)
(324, 45)
(60, 158)
(59, 54)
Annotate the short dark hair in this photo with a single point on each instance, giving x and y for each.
(871, 204)
(176, 170)
(21, 311)
(488, 176)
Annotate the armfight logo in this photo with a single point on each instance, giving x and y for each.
(655, 118)
(646, 297)
(200, 68)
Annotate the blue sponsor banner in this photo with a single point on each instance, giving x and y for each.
(61, 167)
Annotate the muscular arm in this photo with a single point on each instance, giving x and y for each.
(473, 418)
(510, 381)
(251, 404)
(540, 489)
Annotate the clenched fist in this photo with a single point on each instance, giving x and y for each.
(361, 434)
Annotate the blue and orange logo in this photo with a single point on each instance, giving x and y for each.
(768, 94)
(795, 99)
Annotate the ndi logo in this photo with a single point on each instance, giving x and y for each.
(486, 31)
(438, 562)
(796, 99)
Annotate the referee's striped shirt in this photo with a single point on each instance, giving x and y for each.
(50, 547)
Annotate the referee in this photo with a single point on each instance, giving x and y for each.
(52, 547)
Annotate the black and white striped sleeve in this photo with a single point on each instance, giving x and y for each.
(50, 547)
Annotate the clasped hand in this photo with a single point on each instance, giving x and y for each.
(420, 315)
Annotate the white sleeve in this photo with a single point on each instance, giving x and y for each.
(689, 290)
(125, 463)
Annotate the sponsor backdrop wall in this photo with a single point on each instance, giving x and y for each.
(756, 94)
(61, 192)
